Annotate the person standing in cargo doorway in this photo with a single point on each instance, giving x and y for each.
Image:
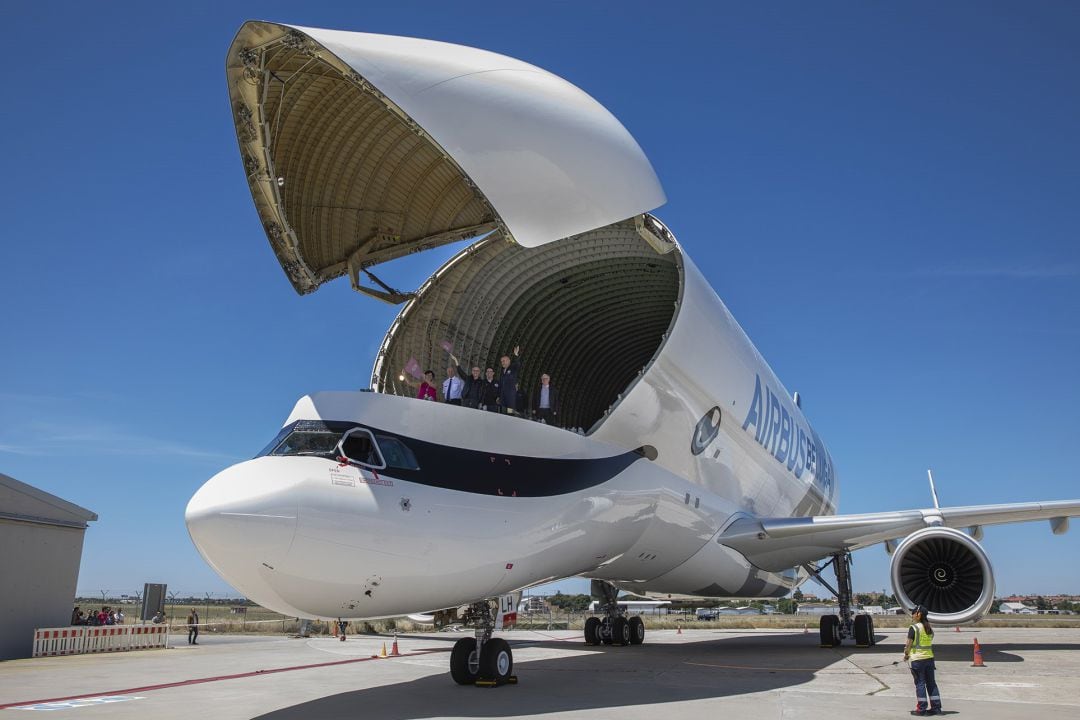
(470, 392)
(489, 392)
(508, 382)
(426, 389)
(545, 401)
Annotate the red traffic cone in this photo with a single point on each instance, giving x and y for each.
(394, 648)
(977, 660)
(957, 628)
(680, 630)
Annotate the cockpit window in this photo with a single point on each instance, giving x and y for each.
(360, 447)
(305, 442)
(397, 454)
(322, 439)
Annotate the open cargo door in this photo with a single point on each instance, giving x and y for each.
(361, 148)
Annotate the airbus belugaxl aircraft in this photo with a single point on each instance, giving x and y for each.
(696, 474)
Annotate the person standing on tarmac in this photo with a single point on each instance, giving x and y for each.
(193, 627)
(919, 649)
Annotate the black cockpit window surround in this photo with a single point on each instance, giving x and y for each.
(321, 439)
(477, 471)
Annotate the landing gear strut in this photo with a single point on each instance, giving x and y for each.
(834, 628)
(614, 628)
(483, 659)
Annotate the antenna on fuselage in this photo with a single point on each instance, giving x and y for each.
(933, 490)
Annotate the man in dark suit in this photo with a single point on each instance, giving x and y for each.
(545, 401)
(508, 382)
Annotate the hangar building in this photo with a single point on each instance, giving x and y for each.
(42, 539)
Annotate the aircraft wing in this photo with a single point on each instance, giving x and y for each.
(776, 544)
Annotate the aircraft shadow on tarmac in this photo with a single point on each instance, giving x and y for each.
(624, 676)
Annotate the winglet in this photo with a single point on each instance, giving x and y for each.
(933, 490)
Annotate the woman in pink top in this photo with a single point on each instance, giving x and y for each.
(426, 389)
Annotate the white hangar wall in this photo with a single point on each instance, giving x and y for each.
(41, 537)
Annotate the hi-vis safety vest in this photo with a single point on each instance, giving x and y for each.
(921, 647)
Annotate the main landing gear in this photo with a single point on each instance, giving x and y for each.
(614, 628)
(834, 628)
(482, 660)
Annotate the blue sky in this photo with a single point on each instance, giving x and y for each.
(887, 196)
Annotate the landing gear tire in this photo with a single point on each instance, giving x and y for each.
(496, 661)
(830, 631)
(464, 665)
(592, 631)
(637, 630)
(864, 631)
(620, 631)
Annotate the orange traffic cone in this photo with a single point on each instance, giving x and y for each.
(977, 660)
(394, 649)
(383, 650)
(957, 628)
(680, 630)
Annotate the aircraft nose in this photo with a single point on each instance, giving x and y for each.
(242, 523)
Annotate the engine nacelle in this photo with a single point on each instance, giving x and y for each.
(945, 570)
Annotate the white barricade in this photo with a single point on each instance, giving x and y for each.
(58, 641)
(108, 638)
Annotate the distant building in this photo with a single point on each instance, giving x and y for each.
(532, 604)
(42, 540)
(638, 607)
(813, 608)
(747, 610)
(1016, 608)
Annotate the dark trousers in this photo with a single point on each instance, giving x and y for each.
(545, 415)
(925, 684)
(455, 401)
(470, 403)
(192, 635)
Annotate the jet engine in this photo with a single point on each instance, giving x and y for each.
(946, 571)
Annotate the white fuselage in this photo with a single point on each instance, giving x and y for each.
(501, 503)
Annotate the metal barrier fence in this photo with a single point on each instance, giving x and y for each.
(109, 638)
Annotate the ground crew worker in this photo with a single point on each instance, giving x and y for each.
(193, 627)
(919, 649)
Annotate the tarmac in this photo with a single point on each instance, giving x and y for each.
(698, 674)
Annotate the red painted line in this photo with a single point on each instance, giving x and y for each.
(216, 678)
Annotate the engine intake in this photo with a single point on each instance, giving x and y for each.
(946, 571)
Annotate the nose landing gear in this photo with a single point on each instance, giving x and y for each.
(482, 660)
